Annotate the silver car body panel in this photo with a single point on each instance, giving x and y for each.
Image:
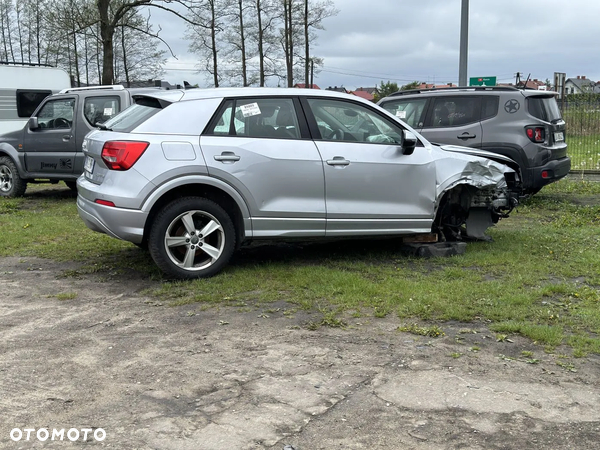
(280, 179)
(283, 187)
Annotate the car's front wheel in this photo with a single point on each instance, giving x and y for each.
(192, 237)
(11, 185)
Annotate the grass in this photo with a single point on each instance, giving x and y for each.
(584, 151)
(539, 278)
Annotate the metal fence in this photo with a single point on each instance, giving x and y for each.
(581, 112)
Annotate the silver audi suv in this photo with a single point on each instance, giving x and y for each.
(191, 175)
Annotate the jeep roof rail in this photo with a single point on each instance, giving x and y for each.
(114, 87)
(456, 88)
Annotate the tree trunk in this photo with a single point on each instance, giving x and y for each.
(243, 44)
(125, 68)
(306, 47)
(261, 53)
(106, 35)
(288, 42)
(213, 37)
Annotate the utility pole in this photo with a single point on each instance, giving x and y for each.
(464, 43)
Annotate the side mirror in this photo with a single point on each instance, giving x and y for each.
(33, 123)
(409, 142)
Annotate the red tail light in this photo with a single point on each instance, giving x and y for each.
(121, 155)
(536, 134)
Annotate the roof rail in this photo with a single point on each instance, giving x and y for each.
(23, 63)
(456, 88)
(114, 87)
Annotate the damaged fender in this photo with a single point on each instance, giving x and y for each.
(473, 194)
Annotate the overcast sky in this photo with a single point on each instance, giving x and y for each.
(370, 41)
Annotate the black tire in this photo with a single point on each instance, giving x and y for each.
(202, 235)
(11, 185)
(72, 185)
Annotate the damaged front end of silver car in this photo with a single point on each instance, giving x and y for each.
(473, 193)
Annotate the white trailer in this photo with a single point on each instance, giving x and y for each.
(22, 88)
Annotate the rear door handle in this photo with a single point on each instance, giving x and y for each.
(227, 157)
(466, 136)
(67, 137)
(338, 161)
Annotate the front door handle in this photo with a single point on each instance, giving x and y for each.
(466, 136)
(338, 161)
(227, 157)
(67, 137)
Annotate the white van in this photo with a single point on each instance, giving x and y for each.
(22, 89)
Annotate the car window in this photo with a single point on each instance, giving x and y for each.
(57, 113)
(455, 111)
(100, 109)
(28, 100)
(257, 117)
(489, 107)
(544, 108)
(130, 118)
(408, 110)
(351, 122)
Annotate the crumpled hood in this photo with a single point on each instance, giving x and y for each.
(481, 153)
(461, 165)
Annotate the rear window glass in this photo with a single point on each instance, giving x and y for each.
(455, 111)
(135, 115)
(544, 108)
(408, 110)
(100, 109)
(489, 107)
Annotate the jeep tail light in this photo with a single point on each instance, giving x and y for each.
(536, 134)
(121, 155)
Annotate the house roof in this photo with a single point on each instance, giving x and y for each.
(306, 86)
(532, 84)
(363, 94)
(435, 86)
(583, 83)
(370, 90)
(337, 89)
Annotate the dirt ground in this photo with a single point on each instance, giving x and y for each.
(154, 376)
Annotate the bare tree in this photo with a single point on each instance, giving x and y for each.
(208, 22)
(263, 34)
(7, 20)
(110, 15)
(137, 56)
(313, 14)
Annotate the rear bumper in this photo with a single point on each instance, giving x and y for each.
(550, 172)
(120, 223)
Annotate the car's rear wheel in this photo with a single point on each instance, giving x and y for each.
(192, 237)
(11, 185)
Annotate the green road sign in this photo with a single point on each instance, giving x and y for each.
(482, 81)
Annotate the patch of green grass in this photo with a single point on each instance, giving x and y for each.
(66, 296)
(430, 331)
(543, 334)
(539, 277)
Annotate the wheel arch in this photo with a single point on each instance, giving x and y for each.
(239, 215)
(17, 157)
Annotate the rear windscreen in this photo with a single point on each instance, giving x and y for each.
(544, 108)
(135, 115)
